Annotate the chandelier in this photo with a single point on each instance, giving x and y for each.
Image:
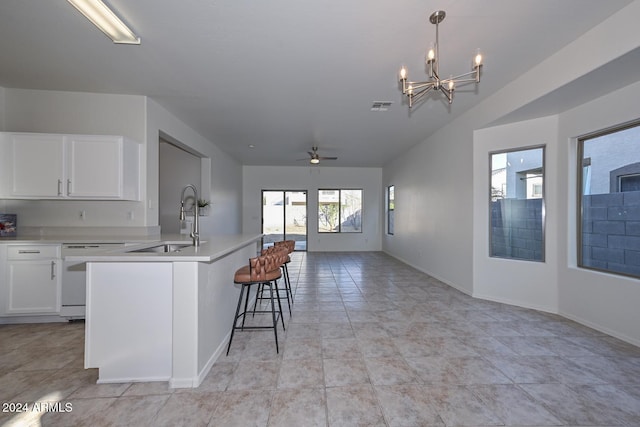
(415, 91)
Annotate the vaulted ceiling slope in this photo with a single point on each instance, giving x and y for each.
(286, 75)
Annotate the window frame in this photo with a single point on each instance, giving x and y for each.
(391, 209)
(340, 190)
(543, 198)
(580, 164)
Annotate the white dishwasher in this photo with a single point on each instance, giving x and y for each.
(74, 289)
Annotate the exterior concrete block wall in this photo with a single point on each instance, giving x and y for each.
(516, 229)
(611, 232)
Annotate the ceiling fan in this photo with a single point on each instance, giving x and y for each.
(314, 157)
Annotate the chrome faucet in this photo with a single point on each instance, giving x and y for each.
(195, 232)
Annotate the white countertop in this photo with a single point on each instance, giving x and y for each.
(61, 239)
(210, 249)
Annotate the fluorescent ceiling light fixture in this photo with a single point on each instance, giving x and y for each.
(107, 21)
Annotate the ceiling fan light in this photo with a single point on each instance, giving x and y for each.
(314, 161)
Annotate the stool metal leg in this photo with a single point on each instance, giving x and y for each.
(286, 288)
(273, 315)
(258, 297)
(275, 283)
(246, 302)
(235, 318)
(288, 281)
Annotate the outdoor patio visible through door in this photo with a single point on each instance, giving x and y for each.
(284, 217)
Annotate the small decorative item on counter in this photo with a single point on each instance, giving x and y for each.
(8, 225)
(203, 206)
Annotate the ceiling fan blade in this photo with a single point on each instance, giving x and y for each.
(310, 153)
(328, 158)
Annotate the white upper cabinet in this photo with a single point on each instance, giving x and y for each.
(47, 166)
(35, 165)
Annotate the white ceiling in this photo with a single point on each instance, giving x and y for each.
(284, 75)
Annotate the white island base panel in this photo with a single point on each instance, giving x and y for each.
(129, 321)
(161, 318)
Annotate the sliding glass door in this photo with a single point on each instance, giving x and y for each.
(284, 217)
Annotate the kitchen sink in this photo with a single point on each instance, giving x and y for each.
(163, 248)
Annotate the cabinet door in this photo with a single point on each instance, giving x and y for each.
(37, 165)
(95, 167)
(33, 287)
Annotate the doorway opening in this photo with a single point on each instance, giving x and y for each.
(284, 217)
(178, 168)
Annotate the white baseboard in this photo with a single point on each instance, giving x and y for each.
(435, 276)
(601, 328)
(552, 310)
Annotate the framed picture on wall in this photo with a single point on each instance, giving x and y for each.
(8, 225)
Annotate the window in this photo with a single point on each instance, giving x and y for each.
(391, 199)
(609, 201)
(517, 204)
(339, 211)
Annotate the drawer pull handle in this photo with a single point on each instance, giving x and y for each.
(53, 270)
(68, 187)
(25, 251)
(59, 187)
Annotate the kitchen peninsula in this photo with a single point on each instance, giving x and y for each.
(162, 316)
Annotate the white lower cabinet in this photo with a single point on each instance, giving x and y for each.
(33, 284)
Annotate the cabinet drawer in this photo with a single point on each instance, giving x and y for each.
(26, 252)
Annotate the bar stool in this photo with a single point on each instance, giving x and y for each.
(282, 255)
(263, 270)
(290, 245)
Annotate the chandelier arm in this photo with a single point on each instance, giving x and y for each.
(419, 95)
(421, 85)
(448, 93)
(460, 77)
(458, 83)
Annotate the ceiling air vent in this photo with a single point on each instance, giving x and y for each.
(381, 106)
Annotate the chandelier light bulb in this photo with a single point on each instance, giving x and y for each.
(403, 73)
(410, 90)
(431, 54)
(478, 58)
(452, 83)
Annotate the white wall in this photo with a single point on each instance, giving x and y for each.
(258, 178)
(433, 209)
(178, 168)
(222, 175)
(140, 119)
(2, 108)
(605, 301)
(437, 196)
(82, 113)
(524, 283)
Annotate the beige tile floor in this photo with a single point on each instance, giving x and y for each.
(372, 342)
